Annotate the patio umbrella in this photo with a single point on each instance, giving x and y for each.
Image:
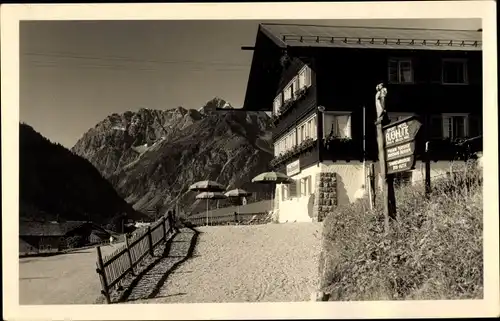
(207, 186)
(272, 178)
(210, 196)
(237, 193)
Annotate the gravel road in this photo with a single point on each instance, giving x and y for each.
(267, 263)
(270, 263)
(61, 279)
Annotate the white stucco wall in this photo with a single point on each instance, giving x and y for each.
(298, 208)
(350, 179)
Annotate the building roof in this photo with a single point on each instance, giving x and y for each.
(273, 39)
(33, 228)
(294, 35)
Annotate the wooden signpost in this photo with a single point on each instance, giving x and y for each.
(396, 147)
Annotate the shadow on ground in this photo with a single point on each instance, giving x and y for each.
(149, 282)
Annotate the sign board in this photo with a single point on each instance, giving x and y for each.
(402, 131)
(399, 151)
(293, 168)
(399, 139)
(401, 164)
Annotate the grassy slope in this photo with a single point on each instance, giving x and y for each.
(434, 250)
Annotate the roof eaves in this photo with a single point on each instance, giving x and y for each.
(279, 42)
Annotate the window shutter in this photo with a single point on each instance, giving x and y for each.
(393, 71)
(308, 76)
(293, 189)
(283, 190)
(436, 127)
(474, 126)
(309, 185)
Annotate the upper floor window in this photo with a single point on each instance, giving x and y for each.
(307, 129)
(454, 71)
(295, 84)
(337, 124)
(287, 92)
(277, 104)
(304, 77)
(400, 71)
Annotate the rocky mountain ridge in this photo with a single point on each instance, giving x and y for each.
(152, 156)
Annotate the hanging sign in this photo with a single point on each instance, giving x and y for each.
(400, 144)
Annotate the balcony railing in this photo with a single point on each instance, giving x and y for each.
(288, 104)
(341, 148)
(296, 150)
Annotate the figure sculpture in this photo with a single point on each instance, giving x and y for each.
(380, 100)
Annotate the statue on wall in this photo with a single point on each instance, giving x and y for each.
(380, 101)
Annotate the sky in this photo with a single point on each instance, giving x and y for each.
(75, 73)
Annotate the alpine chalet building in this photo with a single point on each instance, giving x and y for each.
(319, 83)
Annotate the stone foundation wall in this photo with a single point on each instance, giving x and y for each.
(325, 195)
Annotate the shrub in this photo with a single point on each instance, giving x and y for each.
(433, 250)
(75, 241)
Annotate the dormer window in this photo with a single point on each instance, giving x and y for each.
(400, 71)
(454, 71)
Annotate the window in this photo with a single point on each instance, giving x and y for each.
(454, 71)
(302, 133)
(287, 92)
(305, 186)
(284, 192)
(295, 85)
(455, 126)
(304, 77)
(277, 104)
(337, 125)
(400, 71)
(314, 128)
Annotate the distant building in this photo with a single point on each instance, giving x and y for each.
(434, 74)
(52, 236)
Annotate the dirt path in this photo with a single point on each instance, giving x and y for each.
(269, 263)
(60, 279)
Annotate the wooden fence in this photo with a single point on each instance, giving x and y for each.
(114, 267)
(241, 218)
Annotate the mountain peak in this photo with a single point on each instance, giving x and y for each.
(158, 153)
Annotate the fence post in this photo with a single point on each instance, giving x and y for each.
(427, 170)
(150, 240)
(371, 187)
(128, 254)
(102, 276)
(164, 219)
